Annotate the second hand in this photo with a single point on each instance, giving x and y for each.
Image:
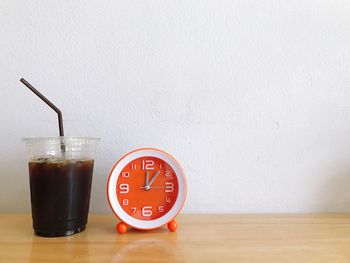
(152, 187)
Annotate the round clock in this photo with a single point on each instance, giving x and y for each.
(146, 189)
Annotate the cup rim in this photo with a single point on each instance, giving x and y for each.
(60, 140)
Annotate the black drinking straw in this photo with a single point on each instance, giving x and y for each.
(49, 103)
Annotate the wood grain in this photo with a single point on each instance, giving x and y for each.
(200, 238)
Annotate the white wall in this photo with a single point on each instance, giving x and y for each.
(252, 97)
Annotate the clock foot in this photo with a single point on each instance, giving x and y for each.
(172, 225)
(121, 227)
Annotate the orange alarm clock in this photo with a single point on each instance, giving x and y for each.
(146, 189)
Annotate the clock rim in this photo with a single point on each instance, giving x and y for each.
(138, 223)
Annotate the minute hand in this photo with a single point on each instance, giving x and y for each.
(153, 178)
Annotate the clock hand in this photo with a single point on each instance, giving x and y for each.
(149, 187)
(147, 178)
(153, 179)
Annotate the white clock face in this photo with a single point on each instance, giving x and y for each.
(146, 188)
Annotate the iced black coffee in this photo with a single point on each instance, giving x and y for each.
(60, 177)
(60, 172)
(60, 195)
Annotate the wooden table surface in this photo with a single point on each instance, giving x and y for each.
(200, 238)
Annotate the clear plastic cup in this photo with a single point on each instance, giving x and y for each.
(60, 174)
